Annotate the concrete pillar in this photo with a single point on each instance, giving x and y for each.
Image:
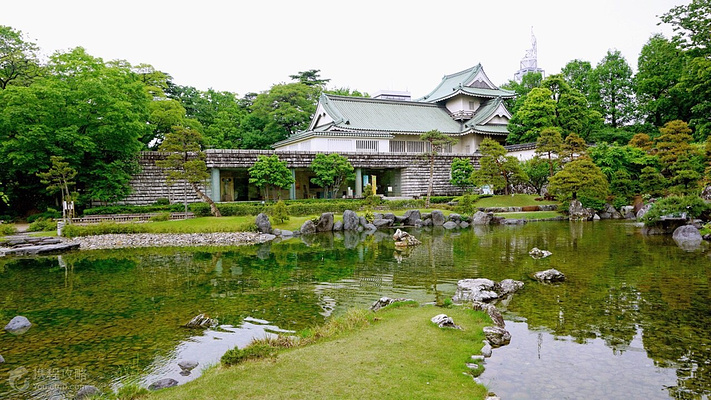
(359, 183)
(292, 188)
(215, 185)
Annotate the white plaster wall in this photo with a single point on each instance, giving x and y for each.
(523, 155)
(498, 121)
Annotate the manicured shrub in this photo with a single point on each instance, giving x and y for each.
(103, 228)
(252, 352)
(127, 209)
(279, 212)
(693, 206)
(7, 229)
(42, 225)
(51, 213)
(162, 202)
(163, 216)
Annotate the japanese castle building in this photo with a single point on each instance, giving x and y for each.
(465, 105)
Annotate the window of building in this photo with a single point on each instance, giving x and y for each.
(397, 146)
(367, 145)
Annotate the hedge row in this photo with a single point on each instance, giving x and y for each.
(295, 208)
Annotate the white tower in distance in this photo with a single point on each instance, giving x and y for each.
(529, 63)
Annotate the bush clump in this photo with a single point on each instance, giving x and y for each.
(676, 206)
(42, 225)
(160, 217)
(103, 228)
(51, 213)
(7, 229)
(254, 351)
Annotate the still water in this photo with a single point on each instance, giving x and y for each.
(632, 321)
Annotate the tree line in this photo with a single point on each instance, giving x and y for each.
(95, 116)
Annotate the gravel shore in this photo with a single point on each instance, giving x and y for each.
(117, 241)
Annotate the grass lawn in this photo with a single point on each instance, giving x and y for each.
(400, 354)
(530, 215)
(517, 200)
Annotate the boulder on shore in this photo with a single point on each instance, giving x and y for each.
(263, 224)
(577, 212)
(325, 223)
(437, 218)
(444, 321)
(308, 227)
(481, 218)
(350, 220)
(386, 301)
(497, 336)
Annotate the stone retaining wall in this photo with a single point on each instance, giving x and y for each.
(149, 185)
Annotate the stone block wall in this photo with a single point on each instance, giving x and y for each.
(149, 184)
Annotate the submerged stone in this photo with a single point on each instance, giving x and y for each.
(18, 325)
(163, 383)
(549, 275)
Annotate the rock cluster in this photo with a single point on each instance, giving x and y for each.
(32, 246)
(186, 366)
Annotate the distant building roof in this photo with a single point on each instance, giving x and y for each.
(472, 81)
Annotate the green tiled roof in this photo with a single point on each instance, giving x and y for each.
(363, 114)
(454, 84)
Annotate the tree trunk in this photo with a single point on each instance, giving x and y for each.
(206, 199)
(429, 187)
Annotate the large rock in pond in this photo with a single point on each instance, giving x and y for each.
(201, 321)
(538, 253)
(338, 226)
(350, 220)
(437, 218)
(404, 239)
(577, 212)
(325, 223)
(481, 218)
(263, 224)
(308, 227)
(411, 216)
(484, 290)
(18, 325)
(162, 384)
(497, 336)
(549, 276)
(687, 237)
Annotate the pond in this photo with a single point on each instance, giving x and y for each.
(631, 321)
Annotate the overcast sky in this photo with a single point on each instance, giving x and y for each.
(246, 46)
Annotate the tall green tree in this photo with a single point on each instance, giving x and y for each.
(659, 69)
(270, 174)
(86, 110)
(283, 110)
(311, 77)
(528, 82)
(674, 142)
(496, 169)
(696, 84)
(612, 89)
(436, 141)
(332, 170)
(572, 111)
(579, 178)
(19, 60)
(536, 113)
(692, 24)
(185, 161)
(346, 91)
(573, 147)
(578, 74)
